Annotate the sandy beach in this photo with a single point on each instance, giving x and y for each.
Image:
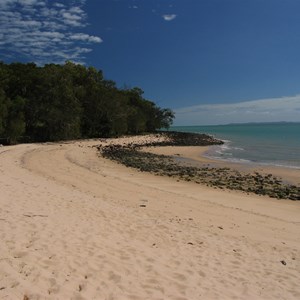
(74, 225)
(199, 156)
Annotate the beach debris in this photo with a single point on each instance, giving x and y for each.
(142, 205)
(190, 243)
(220, 227)
(32, 216)
(283, 262)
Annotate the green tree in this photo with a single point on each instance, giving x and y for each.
(15, 126)
(59, 102)
(165, 117)
(3, 113)
(59, 111)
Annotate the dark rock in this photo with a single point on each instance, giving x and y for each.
(163, 165)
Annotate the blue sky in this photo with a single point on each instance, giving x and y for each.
(182, 53)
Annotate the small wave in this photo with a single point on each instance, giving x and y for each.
(278, 165)
(238, 148)
(221, 149)
(221, 152)
(230, 153)
(241, 160)
(246, 161)
(226, 141)
(225, 147)
(234, 160)
(224, 150)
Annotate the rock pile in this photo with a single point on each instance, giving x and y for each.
(131, 156)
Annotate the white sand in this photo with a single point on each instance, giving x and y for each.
(72, 227)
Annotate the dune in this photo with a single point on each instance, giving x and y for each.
(77, 226)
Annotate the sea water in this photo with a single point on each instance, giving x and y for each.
(269, 144)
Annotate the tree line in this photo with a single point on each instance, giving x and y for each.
(70, 101)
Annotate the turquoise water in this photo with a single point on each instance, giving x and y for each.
(272, 144)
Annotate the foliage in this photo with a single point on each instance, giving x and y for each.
(70, 101)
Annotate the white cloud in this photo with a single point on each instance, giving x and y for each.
(85, 37)
(52, 34)
(169, 17)
(58, 5)
(77, 10)
(44, 31)
(6, 3)
(263, 110)
(133, 7)
(73, 20)
(28, 2)
(74, 16)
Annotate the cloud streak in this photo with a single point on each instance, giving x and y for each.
(169, 17)
(263, 110)
(44, 31)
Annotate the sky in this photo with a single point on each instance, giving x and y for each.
(211, 61)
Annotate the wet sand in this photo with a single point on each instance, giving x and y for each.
(195, 155)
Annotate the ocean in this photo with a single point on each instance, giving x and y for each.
(276, 144)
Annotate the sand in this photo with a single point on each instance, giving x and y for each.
(76, 226)
(199, 155)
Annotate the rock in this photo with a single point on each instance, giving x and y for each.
(162, 165)
(283, 262)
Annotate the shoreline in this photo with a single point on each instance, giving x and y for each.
(196, 155)
(177, 155)
(273, 145)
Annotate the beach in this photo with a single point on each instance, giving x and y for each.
(196, 155)
(75, 225)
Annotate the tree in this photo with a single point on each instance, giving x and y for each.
(15, 121)
(165, 117)
(3, 113)
(59, 102)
